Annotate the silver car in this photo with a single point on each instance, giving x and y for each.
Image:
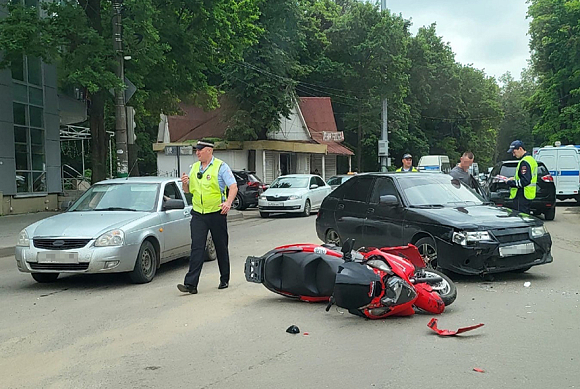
(122, 225)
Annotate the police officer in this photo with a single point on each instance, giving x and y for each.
(207, 183)
(407, 164)
(523, 185)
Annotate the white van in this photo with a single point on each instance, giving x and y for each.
(434, 163)
(564, 165)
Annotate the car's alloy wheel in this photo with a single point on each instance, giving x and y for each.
(428, 251)
(145, 265)
(210, 253)
(238, 203)
(332, 237)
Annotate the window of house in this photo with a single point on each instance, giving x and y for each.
(29, 130)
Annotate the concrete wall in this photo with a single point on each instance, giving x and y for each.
(13, 206)
(7, 162)
(52, 130)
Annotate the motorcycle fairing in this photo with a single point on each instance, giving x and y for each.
(355, 286)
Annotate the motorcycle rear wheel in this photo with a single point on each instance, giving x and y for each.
(446, 288)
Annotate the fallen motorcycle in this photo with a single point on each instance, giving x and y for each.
(374, 283)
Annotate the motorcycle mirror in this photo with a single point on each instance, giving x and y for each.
(347, 249)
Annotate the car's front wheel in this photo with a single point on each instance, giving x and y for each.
(428, 250)
(145, 265)
(44, 278)
(307, 208)
(238, 203)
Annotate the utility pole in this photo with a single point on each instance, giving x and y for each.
(383, 146)
(120, 112)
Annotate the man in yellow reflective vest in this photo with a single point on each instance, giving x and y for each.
(207, 183)
(523, 185)
(407, 164)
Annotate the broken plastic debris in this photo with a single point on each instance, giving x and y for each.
(306, 333)
(527, 284)
(433, 325)
(478, 370)
(293, 330)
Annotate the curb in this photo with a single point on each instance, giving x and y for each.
(7, 251)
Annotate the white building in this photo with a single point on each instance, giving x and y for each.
(299, 146)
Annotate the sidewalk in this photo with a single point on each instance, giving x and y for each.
(11, 225)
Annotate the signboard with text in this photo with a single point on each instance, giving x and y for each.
(335, 136)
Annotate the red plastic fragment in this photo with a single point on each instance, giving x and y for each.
(478, 370)
(306, 333)
(433, 325)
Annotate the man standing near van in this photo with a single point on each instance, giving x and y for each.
(461, 171)
(523, 185)
(407, 164)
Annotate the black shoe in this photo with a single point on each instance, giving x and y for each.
(223, 285)
(187, 289)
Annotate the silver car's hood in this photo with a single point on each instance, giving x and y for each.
(285, 191)
(82, 224)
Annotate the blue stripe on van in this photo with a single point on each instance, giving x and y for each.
(430, 167)
(565, 173)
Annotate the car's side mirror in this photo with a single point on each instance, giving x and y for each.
(313, 186)
(389, 200)
(66, 205)
(347, 246)
(173, 204)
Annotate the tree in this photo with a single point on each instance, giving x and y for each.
(555, 49)
(175, 46)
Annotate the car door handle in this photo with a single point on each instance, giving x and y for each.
(370, 210)
(340, 206)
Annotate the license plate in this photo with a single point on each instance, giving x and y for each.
(275, 203)
(58, 257)
(516, 249)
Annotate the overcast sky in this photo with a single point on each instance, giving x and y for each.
(489, 34)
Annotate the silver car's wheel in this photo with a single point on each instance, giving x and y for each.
(332, 238)
(307, 208)
(145, 265)
(210, 254)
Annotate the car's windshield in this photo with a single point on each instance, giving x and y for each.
(290, 182)
(437, 190)
(118, 197)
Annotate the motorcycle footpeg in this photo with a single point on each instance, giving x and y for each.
(254, 269)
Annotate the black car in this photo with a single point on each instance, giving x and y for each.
(250, 186)
(452, 226)
(498, 192)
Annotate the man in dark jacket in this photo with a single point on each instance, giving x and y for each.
(523, 185)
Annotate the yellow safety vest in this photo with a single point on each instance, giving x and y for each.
(530, 190)
(206, 194)
(400, 170)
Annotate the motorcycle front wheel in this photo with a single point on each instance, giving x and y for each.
(446, 288)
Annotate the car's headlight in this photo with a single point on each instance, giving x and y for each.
(294, 197)
(23, 239)
(262, 197)
(465, 237)
(538, 231)
(111, 238)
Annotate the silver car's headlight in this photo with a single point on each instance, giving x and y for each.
(538, 231)
(23, 239)
(111, 238)
(465, 237)
(262, 197)
(294, 197)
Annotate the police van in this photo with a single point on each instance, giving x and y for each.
(434, 163)
(564, 165)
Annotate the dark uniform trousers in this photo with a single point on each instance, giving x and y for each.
(200, 224)
(522, 204)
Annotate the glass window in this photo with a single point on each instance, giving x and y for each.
(508, 170)
(17, 67)
(36, 137)
(360, 190)
(36, 117)
(437, 190)
(312, 181)
(20, 135)
(319, 181)
(35, 96)
(31, 3)
(22, 182)
(20, 93)
(172, 192)
(38, 158)
(290, 182)
(334, 181)
(21, 154)
(118, 197)
(19, 111)
(34, 71)
(39, 182)
(383, 186)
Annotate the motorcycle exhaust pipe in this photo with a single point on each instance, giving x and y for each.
(427, 280)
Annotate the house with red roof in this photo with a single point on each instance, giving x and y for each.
(306, 142)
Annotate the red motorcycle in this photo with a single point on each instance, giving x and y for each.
(373, 283)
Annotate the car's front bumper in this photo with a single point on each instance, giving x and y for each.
(484, 257)
(91, 259)
(281, 206)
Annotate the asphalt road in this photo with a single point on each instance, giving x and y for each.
(101, 332)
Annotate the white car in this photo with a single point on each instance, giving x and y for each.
(294, 193)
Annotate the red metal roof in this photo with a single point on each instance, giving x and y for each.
(319, 117)
(195, 123)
